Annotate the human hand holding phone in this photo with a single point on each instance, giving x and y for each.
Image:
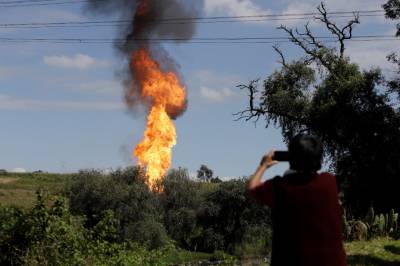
(268, 160)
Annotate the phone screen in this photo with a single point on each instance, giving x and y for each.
(282, 156)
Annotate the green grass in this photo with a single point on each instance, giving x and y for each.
(184, 257)
(19, 189)
(377, 252)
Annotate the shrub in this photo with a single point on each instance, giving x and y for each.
(229, 215)
(125, 193)
(181, 201)
(43, 234)
(49, 235)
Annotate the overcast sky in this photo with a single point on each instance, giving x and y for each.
(61, 105)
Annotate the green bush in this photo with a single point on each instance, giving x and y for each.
(43, 235)
(150, 233)
(227, 217)
(198, 216)
(137, 209)
(11, 239)
(181, 202)
(49, 235)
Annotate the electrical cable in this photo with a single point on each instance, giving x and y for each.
(113, 23)
(195, 41)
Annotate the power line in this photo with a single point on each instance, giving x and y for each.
(113, 23)
(25, 1)
(40, 3)
(199, 38)
(216, 19)
(277, 15)
(269, 19)
(241, 40)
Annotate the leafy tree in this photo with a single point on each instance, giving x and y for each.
(351, 110)
(392, 9)
(199, 216)
(205, 173)
(228, 217)
(124, 192)
(394, 83)
(42, 236)
(181, 200)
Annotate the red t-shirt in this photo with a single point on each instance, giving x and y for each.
(306, 218)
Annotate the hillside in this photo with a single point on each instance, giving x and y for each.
(18, 189)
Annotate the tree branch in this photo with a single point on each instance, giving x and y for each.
(313, 51)
(251, 112)
(309, 37)
(257, 112)
(342, 34)
(283, 60)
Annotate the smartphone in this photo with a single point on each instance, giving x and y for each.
(282, 156)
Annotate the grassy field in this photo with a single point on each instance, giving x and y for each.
(19, 190)
(377, 252)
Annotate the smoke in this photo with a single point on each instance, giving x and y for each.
(149, 20)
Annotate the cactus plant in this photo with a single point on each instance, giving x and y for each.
(387, 224)
(381, 224)
(373, 225)
(396, 222)
(390, 221)
(369, 218)
(393, 223)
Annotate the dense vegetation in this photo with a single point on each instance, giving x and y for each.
(115, 219)
(94, 219)
(197, 216)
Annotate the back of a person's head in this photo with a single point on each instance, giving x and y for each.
(305, 153)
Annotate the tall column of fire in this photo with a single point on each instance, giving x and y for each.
(163, 89)
(166, 97)
(152, 78)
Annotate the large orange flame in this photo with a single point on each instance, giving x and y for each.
(166, 96)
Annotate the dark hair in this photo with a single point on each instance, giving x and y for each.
(305, 153)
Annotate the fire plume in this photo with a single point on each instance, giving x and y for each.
(167, 97)
(152, 80)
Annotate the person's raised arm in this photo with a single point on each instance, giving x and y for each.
(266, 162)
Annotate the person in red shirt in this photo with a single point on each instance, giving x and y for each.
(306, 214)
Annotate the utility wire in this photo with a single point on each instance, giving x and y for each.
(276, 15)
(216, 19)
(25, 1)
(194, 41)
(41, 3)
(199, 39)
(113, 23)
